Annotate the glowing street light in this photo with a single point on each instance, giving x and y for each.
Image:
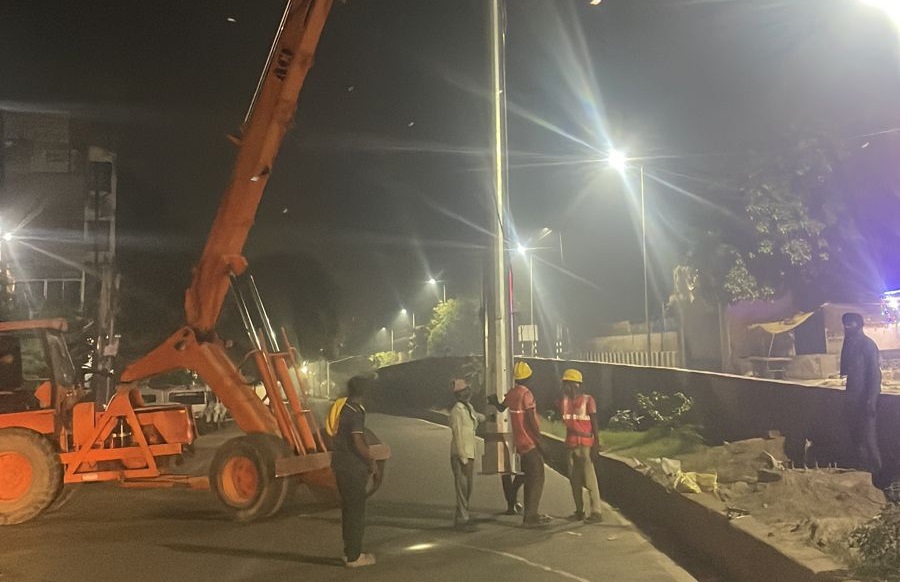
(413, 317)
(522, 250)
(385, 329)
(621, 163)
(4, 236)
(434, 282)
(525, 251)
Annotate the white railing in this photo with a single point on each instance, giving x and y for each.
(659, 359)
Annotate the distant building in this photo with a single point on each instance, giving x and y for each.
(57, 209)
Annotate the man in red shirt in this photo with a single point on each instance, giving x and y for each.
(527, 436)
(578, 410)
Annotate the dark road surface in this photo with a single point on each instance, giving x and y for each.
(111, 534)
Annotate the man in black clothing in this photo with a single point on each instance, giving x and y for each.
(859, 362)
(352, 464)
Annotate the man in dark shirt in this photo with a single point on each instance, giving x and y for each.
(859, 362)
(352, 464)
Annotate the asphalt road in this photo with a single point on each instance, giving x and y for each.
(111, 534)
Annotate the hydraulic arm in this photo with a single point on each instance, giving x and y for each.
(195, 345)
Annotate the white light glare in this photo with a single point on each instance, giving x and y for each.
(618, 160)
(892, 8)
(431, 281)
(8, 236)
(521, 249)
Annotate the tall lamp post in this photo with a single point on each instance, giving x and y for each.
(620, 162)
(413, 317)
(384, 329)
(434, 282)
(522, 250)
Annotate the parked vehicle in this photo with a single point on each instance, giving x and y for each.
(206, 409)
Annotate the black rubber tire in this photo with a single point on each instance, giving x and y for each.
(24, 448)
(242, 476)
(67, 493)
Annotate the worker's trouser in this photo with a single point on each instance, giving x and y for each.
(464, 483)
(511, 485)
(582, 474)
(533, 466)
(864, 435)
(351, 481)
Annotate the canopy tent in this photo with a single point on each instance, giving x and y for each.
(783, 326)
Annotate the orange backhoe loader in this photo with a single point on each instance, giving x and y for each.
(52, 433)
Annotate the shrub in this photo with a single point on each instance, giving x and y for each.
(878, 544)
(663, 409)
(625, 420)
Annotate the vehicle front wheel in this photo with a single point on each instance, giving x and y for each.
(31, 476)
(242, 475)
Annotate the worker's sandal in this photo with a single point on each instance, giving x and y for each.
(362, 560)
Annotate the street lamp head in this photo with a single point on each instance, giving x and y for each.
(618, 160)
(432, 281)
(521, 249)
(403, 311)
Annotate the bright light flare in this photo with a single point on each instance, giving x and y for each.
(618, 160)
(420, 547)
(7, 236)
(432, 281)
(893, 8)
(522, 250)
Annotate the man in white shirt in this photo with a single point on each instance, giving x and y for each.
(463, 420)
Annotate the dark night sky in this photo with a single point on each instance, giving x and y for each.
(382, 182)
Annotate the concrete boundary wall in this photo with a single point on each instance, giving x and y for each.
(728, 407)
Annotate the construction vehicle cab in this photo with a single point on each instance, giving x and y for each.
(52, 433)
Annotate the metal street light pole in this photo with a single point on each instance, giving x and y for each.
(434, 282)
(620, 161)
(532, 304)
(647, 313)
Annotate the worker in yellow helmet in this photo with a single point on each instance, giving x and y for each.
(527, 436)
(578, 411)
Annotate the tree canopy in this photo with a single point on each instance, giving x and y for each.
(787, 228)
(455, 329)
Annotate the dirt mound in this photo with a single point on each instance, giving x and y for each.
(818, 507)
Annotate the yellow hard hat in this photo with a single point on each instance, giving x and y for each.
(572, 375)
(521, 371)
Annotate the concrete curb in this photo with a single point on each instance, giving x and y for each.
(741, 548)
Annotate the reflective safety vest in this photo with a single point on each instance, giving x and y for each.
(332, 422)
(576, 415)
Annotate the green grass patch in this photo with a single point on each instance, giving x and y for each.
(656, 442)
